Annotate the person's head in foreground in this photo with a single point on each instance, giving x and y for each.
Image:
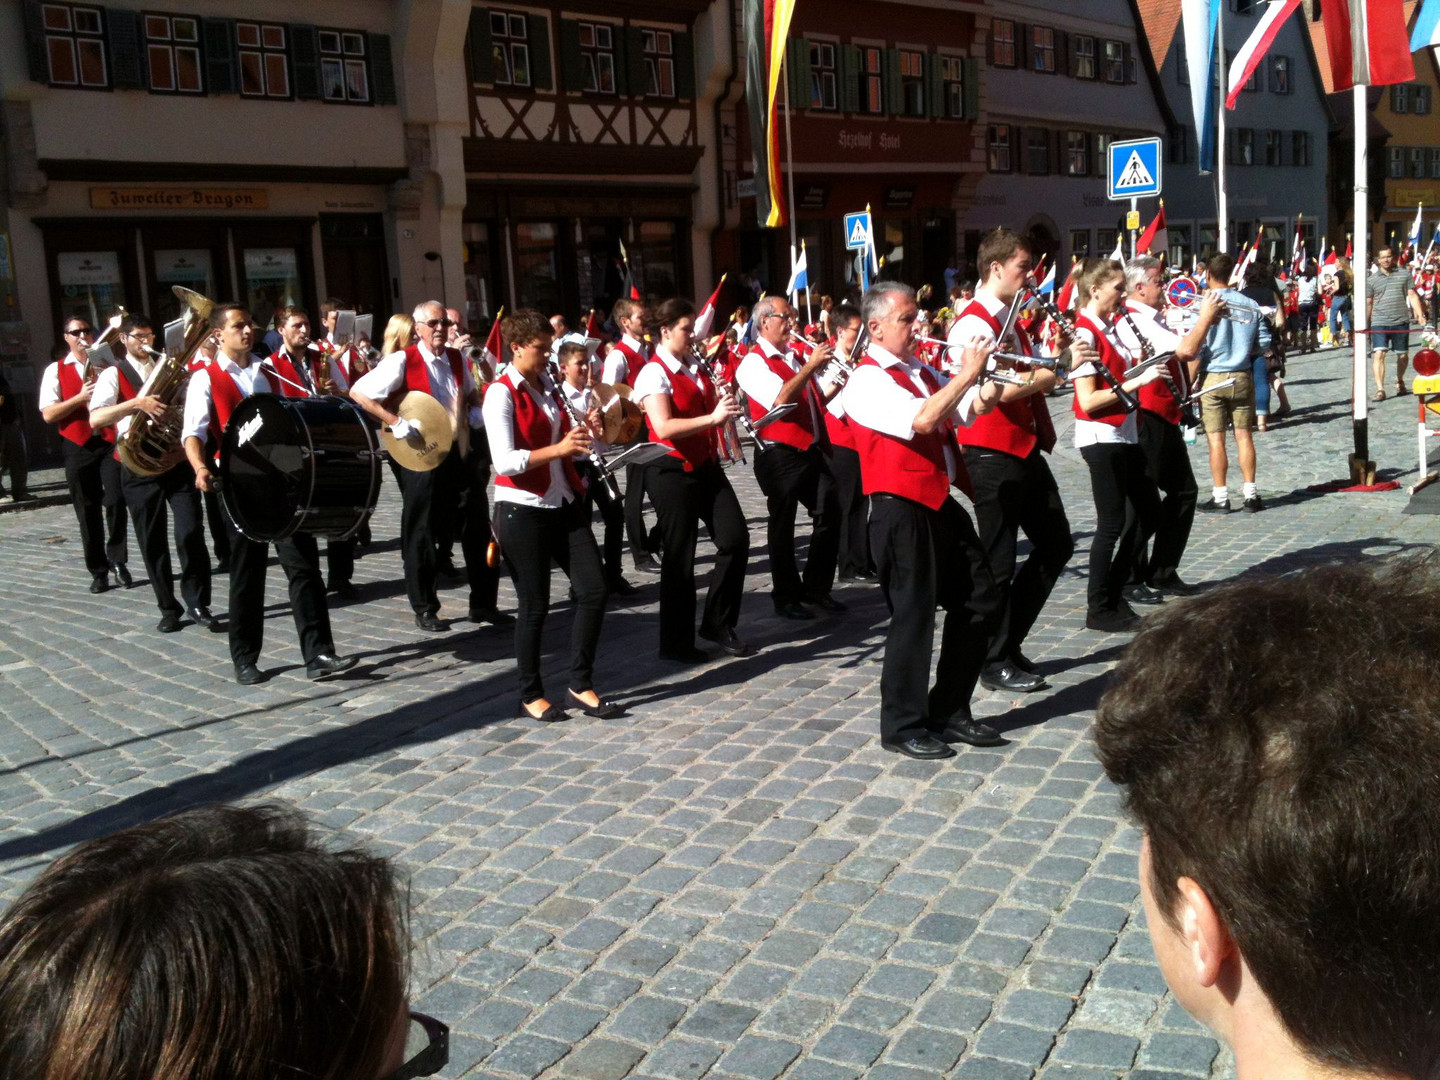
(224, 943)
(1277, 742)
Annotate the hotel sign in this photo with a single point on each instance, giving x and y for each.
(146, 198)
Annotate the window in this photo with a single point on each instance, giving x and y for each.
(1080, 243)
(1077, 153)
(1417, 163)
(264, 64)
(1420, 104)
(1395, 162)
(822, 76)
(1435, 163)
(871, 98)
(1002, 43)
(1178, 149)
(1084, 48)
(659, 49)
(1042, 49)
(952, 78)
(912, 81)
(1179, 244)
(1105, 241)
(1299, 148)
(1037, 151)
(343, 74)
(172, 46)
(1280, 74)
(1244, 146)
(999, 149)
(1400, 98)
(597, 57)
(1114, 61)
(75, 45)
(509, 40)
(1272, 147)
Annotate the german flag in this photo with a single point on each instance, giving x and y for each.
(767, 26)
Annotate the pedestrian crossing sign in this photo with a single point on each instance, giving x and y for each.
(857, 230)
(1133, 168)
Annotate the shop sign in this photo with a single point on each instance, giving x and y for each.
(1414, 196)
(82, 269)
(812, 196)
(143, 198)
(745, 187)
(899, 198)
(182, 266)
(269, 264)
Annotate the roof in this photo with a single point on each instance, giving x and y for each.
(1160, 19)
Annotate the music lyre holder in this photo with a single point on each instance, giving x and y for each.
(775, 413)
(642, 453)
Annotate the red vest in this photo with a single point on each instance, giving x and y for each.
(77, 429)
(912, 468)
(839, 430)
(1114, 415)
(796, 429)
(286, 370)
(634, 361)
(417, 374)
(225, 393)
(531, 429)
(1014, 427)
(688, 401)
(124, 391)
(1157, 398)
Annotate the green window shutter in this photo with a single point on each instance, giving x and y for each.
(222, 66)
(382, 70)
(567, 47)
(934, 85)
(684, 66)
(972, 89)
(538, 29)
(894, 88)
(636, 82)
(35, 50)
(127, 54)
(850, 78)
(305, 60)
(482, 56)
(1022, 45)
(1131, 68)
(1062, 50)
(797, 70)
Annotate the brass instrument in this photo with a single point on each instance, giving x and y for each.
(324, 376)
(105, 343)
(152, 446)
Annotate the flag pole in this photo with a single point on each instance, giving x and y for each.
(1222, 200)
(1360, 409)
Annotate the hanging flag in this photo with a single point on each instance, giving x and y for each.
(1156, 236)
(870, 240)
(1415, 228)
(767, 28)
(1367, 42)
(592, 326)
(799, 272)
(1048, 285)
(706, 318)
(1330, 258)
(1118, 255)
(1200, 20)
(627, 285)
(493, 346)
(1256, 46)
(1349, 248)
(1298, 253)
(1249, 257)
(1426, 32)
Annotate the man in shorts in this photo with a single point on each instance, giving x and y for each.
(1390, 301)
(1228, 354)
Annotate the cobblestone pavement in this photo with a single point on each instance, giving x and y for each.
(731, 881)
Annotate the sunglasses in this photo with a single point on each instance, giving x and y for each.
(433, 1056)
(77, 331)
(436, 324)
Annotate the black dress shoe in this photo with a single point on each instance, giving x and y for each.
(552, 715)
(827, 603)
(1011, 677)
(606, 710)
(493, 616)
(248, 674)
(967, 729)
(122, 575)
(618, 586)
(426, 620)
(1253, 505)
(866, 576)
(1113, 622)
(793, 609)
(1141, 594)
(1173, 586)
(1023, 662)
(345, 591)
(329, 664)
(691, 655)
(100, 584)
(201, 616)
(1210, 506)
(646, 564)
(924, 747)
(446, 568)
(169, 622)
(727, 639)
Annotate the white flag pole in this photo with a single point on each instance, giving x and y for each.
(1222, 200)
(1359, 267)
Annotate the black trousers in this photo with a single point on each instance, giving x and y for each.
(1167, 464)
(13, 459)
(927, 558)
(531, 538)
(339, 561)
(93, 476)
(1126, 508)
(790, 478)
(612, 515)
(635, 491)
(1014, 494)
(300, 559)
(682, 501)
(153, 501)
(854, 554)
(429, 499)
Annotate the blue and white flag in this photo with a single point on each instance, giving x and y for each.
(799, 272)
(1048, 285)
(1415, 228)
(1200, 20)
(1426, 31)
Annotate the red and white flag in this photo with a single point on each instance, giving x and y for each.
(1298, 255)
(1368, 43)
(706, 318)
(493, 346)
(1349, 248)
(1252, 53)
(1156, 237)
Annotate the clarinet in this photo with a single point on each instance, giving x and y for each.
(742, 421)
(1127, 400)
(1148, 357)
(596, 458)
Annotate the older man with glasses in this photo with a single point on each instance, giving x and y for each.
(91, 472)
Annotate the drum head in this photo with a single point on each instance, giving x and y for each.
(266, 468)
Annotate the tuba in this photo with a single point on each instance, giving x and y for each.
(151, 447)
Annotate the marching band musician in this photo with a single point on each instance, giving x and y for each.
(1167, 461)
(683, 409)
(459, 481)
(622, 365)
(213, 394)
(1107, 436)
(541, 515)
(1004, 452)
(853, 560)
(794, 468)
(903, 415)
(91, 472)
(116, 401)
(342, 357)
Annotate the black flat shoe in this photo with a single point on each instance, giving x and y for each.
(606, 710)
(923, 747)
(493, 616)
(1113, 622)
(827, 603)
(100, 584)
(1011, 677)
(967, 729)
(1175, 587)
(727, 639)
(248, 674)
(691, 655)
(1023, 662)
(1210, 506)
(122, 575)
(201, 616)
(1141, 594)
(329, 664)
(169, 623)
(554, 714)
(426, 620)
(794, 610)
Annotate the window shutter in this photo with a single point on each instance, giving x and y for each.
(685, 66)
(382, 70)
(797, 70)
(634, 62)
(1131, 74)
(1062, 50)
(1022, 45)
(850, 78)
(538, 29)
(972, 89)
(35, 42)
(934, 85)
(1062, 153)
(482, 56)
(890, 80)
(127, 63)
(305, 59)
(222, 74)
(567, 48)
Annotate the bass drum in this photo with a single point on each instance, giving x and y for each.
(298, 465)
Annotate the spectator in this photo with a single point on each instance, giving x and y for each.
(1229, 351)
(1261, 286)
(1290, 863)
(224, 943)
(1390, 301)
(12, 445)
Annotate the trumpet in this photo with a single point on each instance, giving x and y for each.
(1186, 318)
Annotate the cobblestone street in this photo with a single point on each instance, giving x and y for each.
(733, 880)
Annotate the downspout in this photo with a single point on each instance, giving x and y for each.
(721, 100)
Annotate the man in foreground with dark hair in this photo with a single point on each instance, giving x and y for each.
(1290, 867)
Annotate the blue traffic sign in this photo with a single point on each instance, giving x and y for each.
(857, 230)
(1133, 169)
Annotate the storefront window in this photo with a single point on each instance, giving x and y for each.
(479, 273)
(1080, 243)
(272, 279)
(658, 262)
(190, 268)
(90, 285)
(892, 250)
(1209, 240)
(536, 278)
(1180, 246)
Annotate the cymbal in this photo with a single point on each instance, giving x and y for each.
(422, 452)
(620, 418)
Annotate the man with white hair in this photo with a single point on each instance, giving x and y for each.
(429, 367)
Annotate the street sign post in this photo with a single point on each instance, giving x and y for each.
(1132, 170)
(858, 227)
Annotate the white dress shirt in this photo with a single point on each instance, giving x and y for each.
(617, 364)
(306, 367)
(107, 390)
(248, 380)
(763, 386)
(656, 378)
(1091, 432)
(512, 460)
(50, 380)
(388, 376)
